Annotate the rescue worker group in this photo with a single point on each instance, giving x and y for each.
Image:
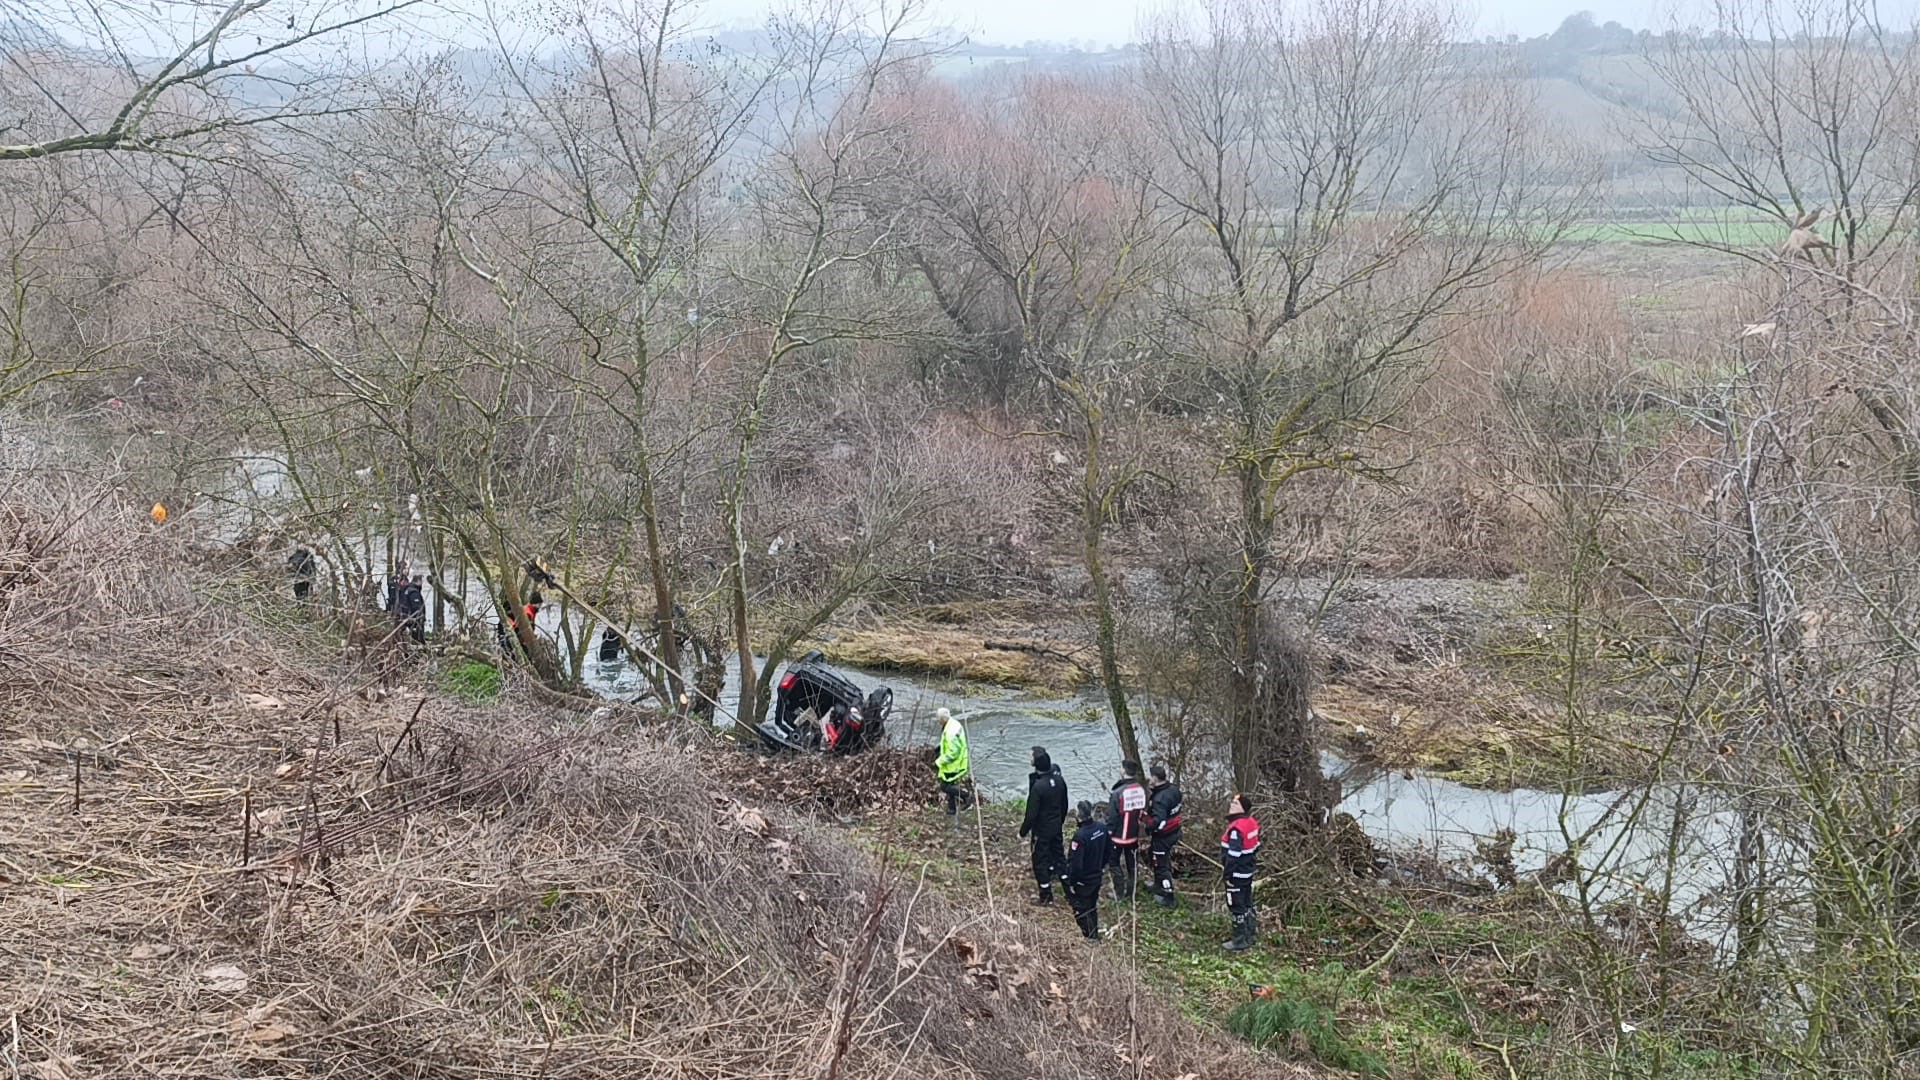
(1106, 845)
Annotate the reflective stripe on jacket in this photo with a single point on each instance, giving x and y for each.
(1163, 810)
(1240, 849)
(1125, 809)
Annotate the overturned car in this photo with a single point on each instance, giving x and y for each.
(817, 709)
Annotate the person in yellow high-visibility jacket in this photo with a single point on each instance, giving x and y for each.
(952, 765)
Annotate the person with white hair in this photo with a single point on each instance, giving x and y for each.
(952, 765)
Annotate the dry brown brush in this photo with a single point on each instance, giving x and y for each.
(270, 867)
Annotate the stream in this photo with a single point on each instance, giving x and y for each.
(1401, 813)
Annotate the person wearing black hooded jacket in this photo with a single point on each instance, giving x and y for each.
(411, 608)
(1163, 833)
(1046, 819)
(1087, 859)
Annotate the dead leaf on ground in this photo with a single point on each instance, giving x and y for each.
(224, 979)
(751, 820)
(980, 967)
(152, 950)
(264, 702)
(261, 1026)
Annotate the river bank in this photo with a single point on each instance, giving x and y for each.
(1429, 977)
(1448, 677)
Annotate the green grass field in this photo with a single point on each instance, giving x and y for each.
(1721, 232)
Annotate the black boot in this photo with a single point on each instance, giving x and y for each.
(1167, 898)
(1045, 897)
(1242, 933)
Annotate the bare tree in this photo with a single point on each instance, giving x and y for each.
(108, 75)
(625, 156)
(1792, 109)
(825, 122)
(1041, 215)
(1344, 184)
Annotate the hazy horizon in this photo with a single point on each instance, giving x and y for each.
(1103, 23)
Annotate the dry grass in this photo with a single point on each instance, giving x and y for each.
(447, 890)
(944, 650)
(1478, 729)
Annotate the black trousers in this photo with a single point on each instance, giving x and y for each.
(301, 589)
(1160, 858)
(959, 793)
(1085, 899)
(1239, 896)
(1126, 864)
(1049, 858)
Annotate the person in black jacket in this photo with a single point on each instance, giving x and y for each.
(611, 646)
(396, 584)
(1087, 859)
(411, 605)
(1046, 817)
(300, 564)
(1126, 824)
(1163, 834)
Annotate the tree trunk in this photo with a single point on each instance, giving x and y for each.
(1255, 550)
(1272, 735)
(437, 573)
(1749, 890)
(749, 709)
(1094, 525)
(544, 662)
(665, 624)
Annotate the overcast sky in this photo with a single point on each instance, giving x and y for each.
(1112, 22)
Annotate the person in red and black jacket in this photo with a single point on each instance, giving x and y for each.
(1163, 834)
(1126, 823)
(1240, 856)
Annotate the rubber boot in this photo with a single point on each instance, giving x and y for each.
(1242, 933)
(1253, 929)
(1167, 898)
(1045, 897)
